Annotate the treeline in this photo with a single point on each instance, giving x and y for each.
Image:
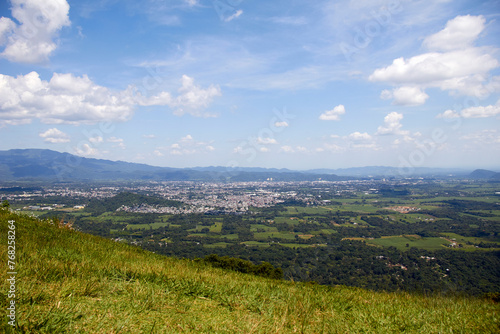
(265, 269)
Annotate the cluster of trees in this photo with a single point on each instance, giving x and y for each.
(354, 263)
(265, 269)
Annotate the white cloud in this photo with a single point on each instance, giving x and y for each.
(449, 114)
(115, 140)
(32, 40)
(301, 149)
(266, 141)
(358, 136)
(86, 150)
(6, 27)
(187, 138)
(436, 69)
(334, 114)
(191, 98)
(473, 112)
(54, 136)
(392, 125)
(481, 111)
(234, 16)
(459, 33)
(158, 153)
(453, 64)
(405, 96)
(64, 99)
(96, 140)
(283, 124)
(77, 100)
(290, 149)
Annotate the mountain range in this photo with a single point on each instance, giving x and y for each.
(41, 164)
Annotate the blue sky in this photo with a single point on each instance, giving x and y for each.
(285, 84)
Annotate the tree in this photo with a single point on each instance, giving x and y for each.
(5, 204)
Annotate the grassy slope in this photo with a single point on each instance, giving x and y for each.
(77, 283)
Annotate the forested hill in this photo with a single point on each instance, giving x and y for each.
(484, 174)
(70, 282)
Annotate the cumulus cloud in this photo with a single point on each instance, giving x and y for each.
(77, 100)
(405, 96)
(392, 125)
(481, 111)
(96, 140)
(473, 112)
(63, 99)
(452, 64)
(449, 114)
(287, 149)
(358, 140)
(191, 98)
(158, 153)
(86, 150)
(459, 33)
(266, 141)
(283, 124)
(32, 40)
(358, 136)
(54, 136)
(334, 114)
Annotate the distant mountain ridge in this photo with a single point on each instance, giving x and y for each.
(484, 174)
(48, 165)
(42, 164)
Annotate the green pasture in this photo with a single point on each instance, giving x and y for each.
(300, 245)
(215, 228)
(400, 242)
(279, 235)
(154, 226)
(257, 227)
(288, 220)
(324, 231)
(314, 210)
(464, 240)
(255, 243)
(217, 245)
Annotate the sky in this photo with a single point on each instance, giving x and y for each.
(237, 83)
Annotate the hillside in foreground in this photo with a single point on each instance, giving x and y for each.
(77, 283)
